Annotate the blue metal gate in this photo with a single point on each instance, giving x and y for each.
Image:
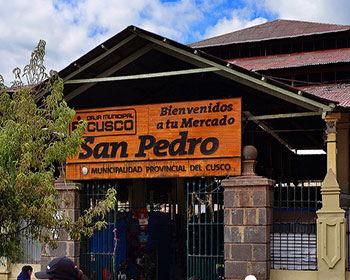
(205, 228)
(97, 258)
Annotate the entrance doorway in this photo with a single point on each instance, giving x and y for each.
(160, 229)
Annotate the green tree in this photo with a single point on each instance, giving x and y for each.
(35, 140)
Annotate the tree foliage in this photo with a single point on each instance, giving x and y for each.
(34, 140)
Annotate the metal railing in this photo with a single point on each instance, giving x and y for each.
(205, 228)
(96, 253)
(293, 236)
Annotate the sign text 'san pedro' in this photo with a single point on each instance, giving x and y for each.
(164, 140)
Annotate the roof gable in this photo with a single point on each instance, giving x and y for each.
(276, 29)
(112, 60)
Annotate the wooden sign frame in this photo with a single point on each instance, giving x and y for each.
(199, 138)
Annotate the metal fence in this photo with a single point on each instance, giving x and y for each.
(205, 229)
(31, 251)
(293, 236)
(96, 255)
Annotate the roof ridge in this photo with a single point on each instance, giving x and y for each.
(225, 34)
(280, 27)
(313, 22)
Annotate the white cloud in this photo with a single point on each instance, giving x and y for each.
(258, 11)
(71, 28)
(325, 11)
(239, 19)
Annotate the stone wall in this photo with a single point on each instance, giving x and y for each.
(70, 203)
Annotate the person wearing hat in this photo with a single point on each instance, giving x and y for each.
(61, 268)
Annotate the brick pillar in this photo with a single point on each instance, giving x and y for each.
(248, 201)
(69, 194)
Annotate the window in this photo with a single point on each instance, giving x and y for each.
(319, 45)
(342, 43)
(308, 46)
(343, 76)
(275, 49)
(300, 80)
(286, 48)
(314, 78)
(255, 52)
(296, 47)
(329, 44)
(328, 77)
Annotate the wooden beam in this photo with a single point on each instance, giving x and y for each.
(284, 116)
(202, 63)
(270, 131)
(143, 76)
(93, 61)
(110, 71)
(259, 84)
(90, 63)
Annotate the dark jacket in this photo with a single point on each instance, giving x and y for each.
(23, 276)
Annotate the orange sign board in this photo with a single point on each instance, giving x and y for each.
(201, 138)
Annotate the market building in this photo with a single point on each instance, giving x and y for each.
(208, 146)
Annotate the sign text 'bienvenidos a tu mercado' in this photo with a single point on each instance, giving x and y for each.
(201, 138)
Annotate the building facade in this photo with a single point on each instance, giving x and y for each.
(205, 145)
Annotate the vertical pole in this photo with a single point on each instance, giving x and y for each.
(331, 122)
(206, 260)
(218, 237)
(188, 226)
(331, 232)
(199, 227)
(115, 244)
(88, 245)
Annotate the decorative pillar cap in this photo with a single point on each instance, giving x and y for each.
(250, 154)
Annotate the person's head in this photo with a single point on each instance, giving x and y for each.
(61, 268)
(250, 277)
(28, 269)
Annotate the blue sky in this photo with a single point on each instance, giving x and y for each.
(73, 27)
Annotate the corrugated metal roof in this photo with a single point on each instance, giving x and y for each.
(276, 29)
(293, 60)
(334, 92)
